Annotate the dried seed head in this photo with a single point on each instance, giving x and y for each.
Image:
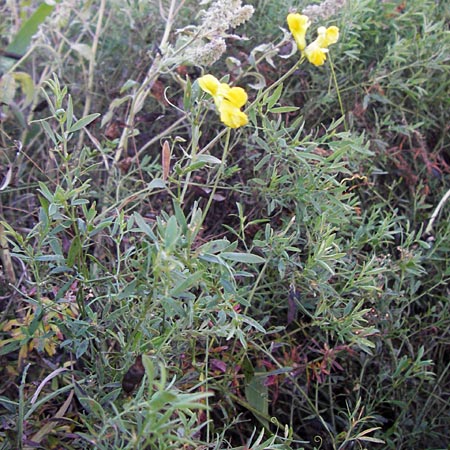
(324, 10)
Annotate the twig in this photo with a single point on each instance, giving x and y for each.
(144, 90)
(92, 61)
(159, 136)
(436, 212)
(5, 257)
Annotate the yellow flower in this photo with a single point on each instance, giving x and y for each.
(316, 52)
(298, 24)
(210, 84)
(228, 100)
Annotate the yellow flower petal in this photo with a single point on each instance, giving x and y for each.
(222, 91)
(332, 35)
(327, 36)
(298, 24)
(232, 116)
(236, 96)
(316, 52)
(210, 84)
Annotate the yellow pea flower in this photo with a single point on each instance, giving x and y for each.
(316, 52)
(228, 100)
(210, 84)
(231, 116)
(298, 24)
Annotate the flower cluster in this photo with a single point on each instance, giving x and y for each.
(228, 100)
(207, 41)
(224, 14)
(316, 51)
(325, 9)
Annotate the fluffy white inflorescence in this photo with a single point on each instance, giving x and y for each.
(208, 39)
(324, 10)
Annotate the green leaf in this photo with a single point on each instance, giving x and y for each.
(253, 323)
(45, 191)
(274, 97)
(79, 201)
(74, 251)
(186, 284)
(69, 112)
(144, 227)
(7, 88)
(247, 258)
(127, 85)
(83, 122)
(156, 183)
(10, 347)
(161, 398)
(114, 104)
(191, 401)
(49, 258)
(215, 246)
(81, 348)
(172, 233)
(257, 395)
(195, 166)
(149, 369)
(284, 109)
(209, 159)
(49, 132)
(26, 84)
(21, 41)
(187, 97)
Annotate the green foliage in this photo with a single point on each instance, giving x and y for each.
(176, 284)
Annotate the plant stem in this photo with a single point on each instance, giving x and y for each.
(91, 70)
(436, 212)
(219, 174)
(338, 92)
(194, 147)
(5, 257)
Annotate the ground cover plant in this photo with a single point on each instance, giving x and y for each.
(224, 224)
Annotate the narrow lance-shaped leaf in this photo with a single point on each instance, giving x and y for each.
(83, 122)
(247, 258)
(21, 41)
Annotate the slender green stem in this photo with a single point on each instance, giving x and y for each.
(194, 148)
(299, 388)
(338, 92)
(20, 419)
(277, 83)
(146, 307)
(256, 283)
(208, 422)
(219, 174)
